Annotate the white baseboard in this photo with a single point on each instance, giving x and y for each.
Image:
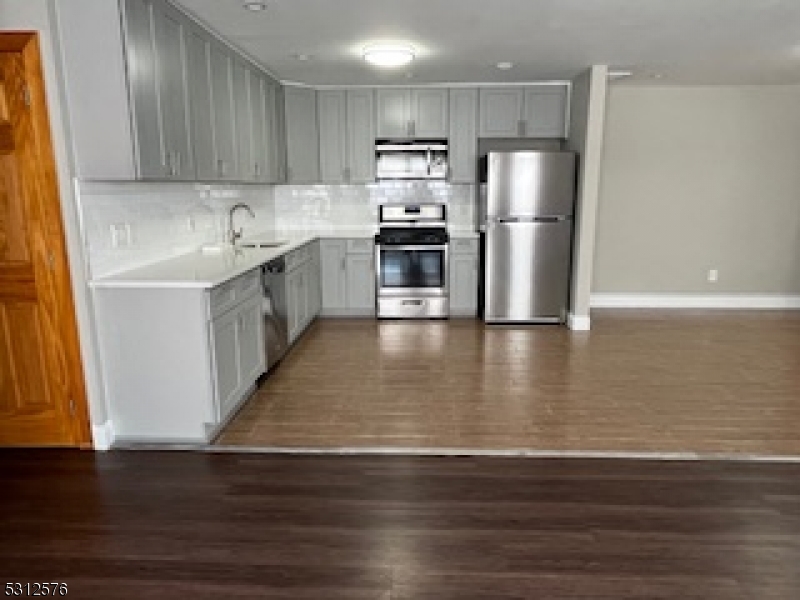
(733, 301)
(103, 436)
(579, 322)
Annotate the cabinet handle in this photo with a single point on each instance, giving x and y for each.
(344, 264)
(412, 126)
(257, 170)
(221, 167)
(167, 162)
(288, 173)
(521, 128)
(177, 165)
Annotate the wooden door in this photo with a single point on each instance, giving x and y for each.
(42, 394)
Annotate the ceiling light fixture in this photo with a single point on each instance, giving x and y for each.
(505, 65)
(255, 6)
(389, 56)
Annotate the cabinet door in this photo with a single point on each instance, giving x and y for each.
(360, 282)
(332, 259)
(332, 115)
(302, 138)
(197, 49)
(252, 361)
(275, 152)
(361, 136)
(464, 284)
(314, 288)
(258, 110)
(172, 94)
(501, 112)
(243, 122)
(143, 83)
(463, 153)
(223, 112)
(545, 111)
(429, 113)
(292, 307)
(224, 341)
(280, 132)
(394, 113)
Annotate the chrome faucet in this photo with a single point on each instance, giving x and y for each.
(233, 234)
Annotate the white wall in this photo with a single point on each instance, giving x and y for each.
(586, 138)
(699, 178)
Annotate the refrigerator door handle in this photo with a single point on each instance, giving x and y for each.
(547, 219)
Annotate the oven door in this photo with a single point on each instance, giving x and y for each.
(406, 270)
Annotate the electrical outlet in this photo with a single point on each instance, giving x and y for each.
(120, 234)
(713, 275)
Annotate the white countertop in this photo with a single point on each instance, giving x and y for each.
(207, 270)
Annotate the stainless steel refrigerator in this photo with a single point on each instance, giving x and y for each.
(526, 202)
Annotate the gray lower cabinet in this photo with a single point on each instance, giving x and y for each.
(238, 354)
(525, 111)
(346, 136)
(177, 362)
(348, 277)
(464, 270)
(463, 153)
(302, 288)
(302, 137)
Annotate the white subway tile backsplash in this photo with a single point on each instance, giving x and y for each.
(336, 207)
(128, 224)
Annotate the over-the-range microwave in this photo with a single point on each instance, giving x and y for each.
(419, 159)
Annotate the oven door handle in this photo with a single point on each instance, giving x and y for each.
(413, 247)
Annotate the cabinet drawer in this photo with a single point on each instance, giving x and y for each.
(297, 257)
(360, 246)
(223, 297)
(248, 284)
(463, 246)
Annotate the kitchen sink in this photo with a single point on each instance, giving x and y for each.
(261, 244)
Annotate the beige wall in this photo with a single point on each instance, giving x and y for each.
(586, 137)
(699, 178)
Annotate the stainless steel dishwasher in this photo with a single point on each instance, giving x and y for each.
(276, 332)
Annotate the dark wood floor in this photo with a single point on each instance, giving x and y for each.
(192, 525)
(706, 382)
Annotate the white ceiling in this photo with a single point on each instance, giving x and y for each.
(683, 41)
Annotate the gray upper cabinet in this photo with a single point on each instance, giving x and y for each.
(143, 81)
(412, 113)
(224, 139)
(501, 112)
(332, 115)
(530, 111)
(274, 133)
(168, 28)
(463, 153)
(545, 111)
(361, 136)
(243, 122)
(258, 133)
(394, 113)
(302, 137)
(429, 110)
(165, 97)
(197, 51)
(346, 136)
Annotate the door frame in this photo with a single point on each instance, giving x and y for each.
(27, 44)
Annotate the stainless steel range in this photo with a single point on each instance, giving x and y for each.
(411, 258)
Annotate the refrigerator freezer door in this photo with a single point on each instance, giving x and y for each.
(530, 184)
(527, 271)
